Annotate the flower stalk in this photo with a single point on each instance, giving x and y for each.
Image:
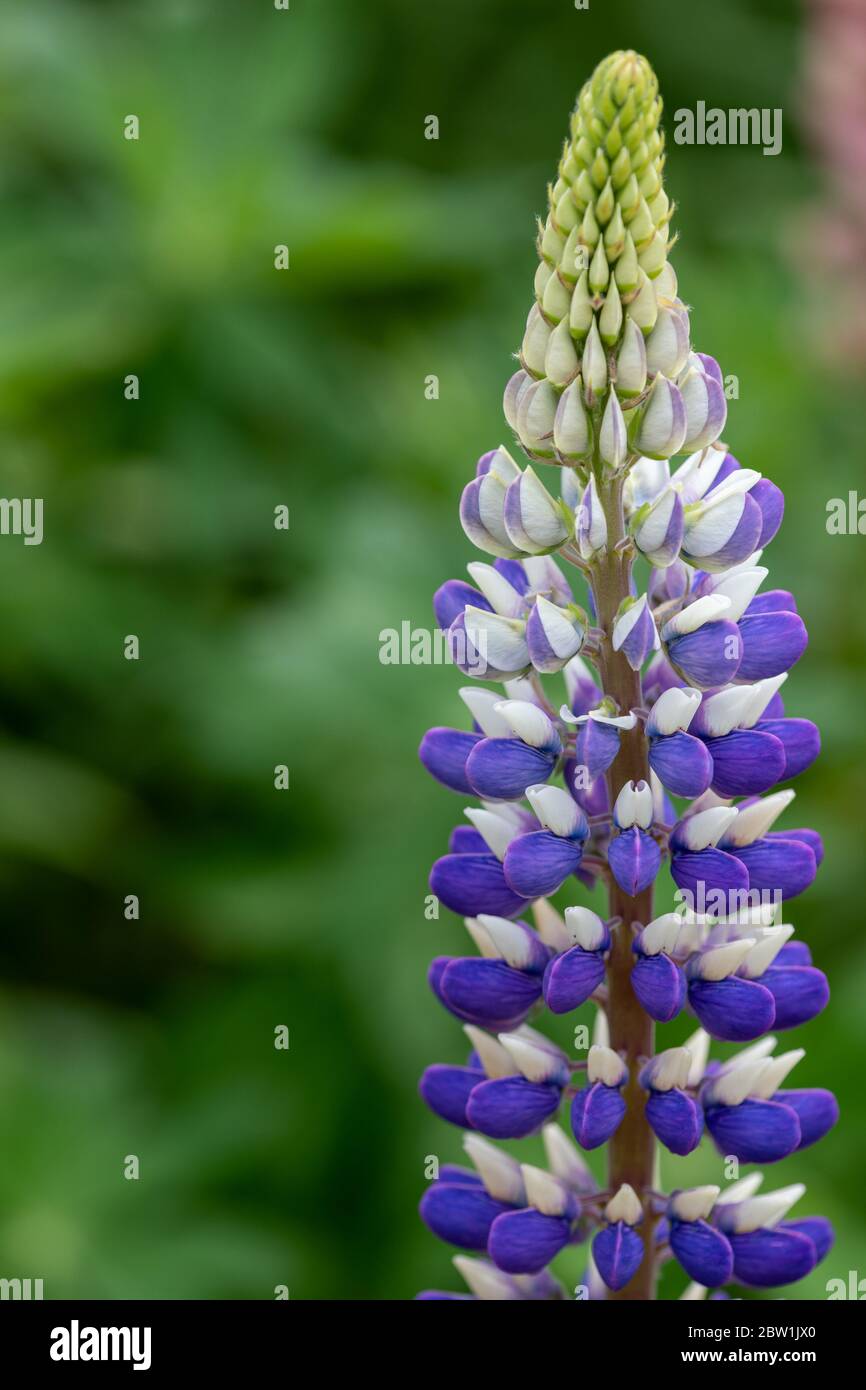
(671, 737)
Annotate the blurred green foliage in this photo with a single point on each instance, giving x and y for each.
(306, 387)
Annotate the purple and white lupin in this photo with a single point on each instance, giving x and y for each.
(668, 747)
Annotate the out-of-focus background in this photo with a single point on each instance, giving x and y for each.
(306, 388)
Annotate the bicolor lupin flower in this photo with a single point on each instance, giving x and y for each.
(670, 747)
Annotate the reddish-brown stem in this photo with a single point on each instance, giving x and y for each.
(631, 1151)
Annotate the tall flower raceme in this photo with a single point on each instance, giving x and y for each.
(664, 743)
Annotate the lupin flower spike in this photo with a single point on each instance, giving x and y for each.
(670, 693)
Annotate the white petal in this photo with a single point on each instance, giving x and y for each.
(694, 1203)
(722, 961)
(564, 1160)
(624, 1206)
(481, 705)
(768, 946)
(513, 942)
(494, 1058)
(754, 821)
(527, 722)
(496, 830)
(776, 1071)
(486, 1281)
(499, 592)
(698, 1048)
(604, 1065)
(708, 609)
(705, 829)
(585, 928)
(634, 806)
(499, 1172)
(674, 710)
(661, 934)
(554, 808)
(482, 938)
(544, 1191)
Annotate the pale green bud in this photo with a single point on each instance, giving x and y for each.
(566, 212)
(556, 300)
(581, 315)
(599, 270)
(653, 257)
(572, 432)
(610, 318)
(643, 308)
(534, 346)
(614, 236)
(605, 204)
(631, 367)
(552, 243)
(627, 270)
(542, 275)
(561, 360)
(641, 225)
(593, 366)
(589, 232)
(535, 415)
(612, 438)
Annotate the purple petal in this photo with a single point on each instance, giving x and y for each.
(816, 1109)
(817, 1228)
(514, 572)
(444, 752)
(745, 762)
(465, 839)
(570, 979)
(447, 1090)
(596, 747)
(523, 1242)
(460, 1214)
(660, 986)
(451, 598)
(800, 739)
(617, 1251)
(773, 601)
(732, 1010)
(772, 643)
(592, 799)
(756, 1131)
(596, 1114)
(809, 837)
(784, 866)
(511, 1107)
(469, 884)
(635, 859)
(488, 992)
(794, 953)
(771, 501)
(682, 763)
(539, 863)
(455, 1172)
(501, 769)
(710, 656)
(676, 1120)
(709, 871)
(765, 1259)
(704, 1253)
(800, 992)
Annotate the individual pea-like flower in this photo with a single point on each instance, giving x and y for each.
(658, 527)
(634, 854)
(657, 978)
(681, 762)
(768, 1250)
(617, 1249)
(597, 1109)
(675, 1116)
(634, 631)
(532, 1236)
(572, 975)
(538, 863)
(673, 746)
(753, 1118)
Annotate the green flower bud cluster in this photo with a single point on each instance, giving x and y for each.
(606, 312)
